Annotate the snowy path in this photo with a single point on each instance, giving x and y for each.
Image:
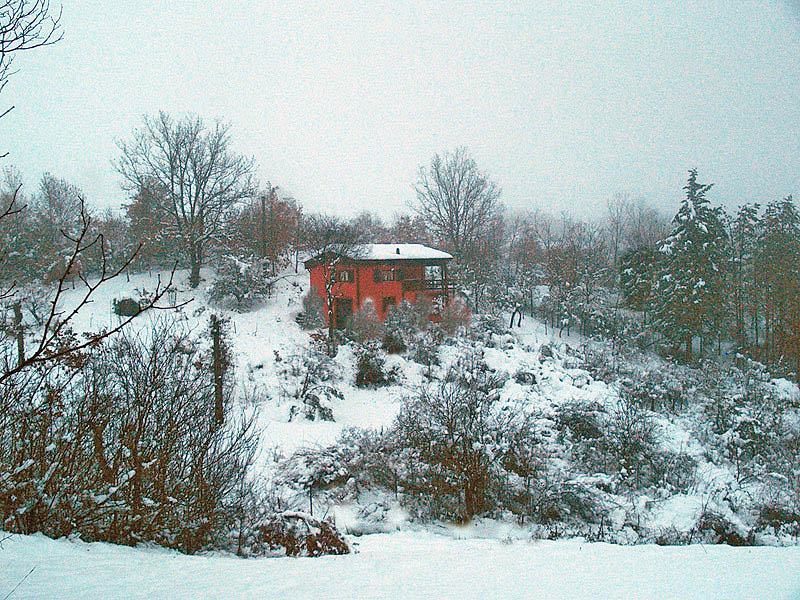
(405, 565)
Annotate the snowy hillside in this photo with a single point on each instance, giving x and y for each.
(269, 349)
(561, 388)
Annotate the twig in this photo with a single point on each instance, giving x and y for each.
(21, 581)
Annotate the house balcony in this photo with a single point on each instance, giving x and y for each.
(427, 285)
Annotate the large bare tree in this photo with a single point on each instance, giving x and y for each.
(192, 174)
(457, 201)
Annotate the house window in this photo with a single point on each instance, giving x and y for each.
(346, 276)
(380, 275)
(433, 272)
(388, 303)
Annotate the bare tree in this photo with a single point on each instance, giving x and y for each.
(266, 227)
(456, 200)
(24, 25)
(618, 208)
(646, 226)
(332, 241)
(192, 173)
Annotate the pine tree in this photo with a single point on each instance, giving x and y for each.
(691, 290)
(638, 271)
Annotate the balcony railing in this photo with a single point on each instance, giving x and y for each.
(419, 285)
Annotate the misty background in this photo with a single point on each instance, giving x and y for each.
(341, 103)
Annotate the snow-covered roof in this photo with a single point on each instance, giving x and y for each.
(401, 252)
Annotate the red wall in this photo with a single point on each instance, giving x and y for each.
(365, 287)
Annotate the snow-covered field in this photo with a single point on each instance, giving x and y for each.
(405, 565)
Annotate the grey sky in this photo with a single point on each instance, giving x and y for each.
(562, 103)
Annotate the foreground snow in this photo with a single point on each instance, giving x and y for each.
(404, 565)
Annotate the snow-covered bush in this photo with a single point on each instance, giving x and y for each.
(300, 534)
(311, 366)
(405, 323)
(453, 316)
(566, 502)
(126, 307)
(364, 324)
(426, 351)
(487, 324)
(629, 441)
(393, 342)
(580, 420)
(360, 460)
(714, 528)
(623, 443)
(240, 283)
(456, 442)
(656, 390)
(313, 316)
(115, 447)
(316, 404)
(370, 367)
(780, 519)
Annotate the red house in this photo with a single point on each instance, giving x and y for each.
(385, 274)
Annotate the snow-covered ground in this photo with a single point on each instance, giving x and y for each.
(404, 565)
(414, 562)
(263, 340)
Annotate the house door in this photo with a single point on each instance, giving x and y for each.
(342, 309)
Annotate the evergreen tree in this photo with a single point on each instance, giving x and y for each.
(690, 294)
(639, 269)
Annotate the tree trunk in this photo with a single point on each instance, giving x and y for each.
(331, 329)
(19, 332)
(195, 260)
(218, 368)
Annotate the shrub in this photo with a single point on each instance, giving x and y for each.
(487, 324)
(654, 390)
(779, 518)
(454, 315)
(312, 316)
(316, 404)
(624, 443)
(420, 312)
(370, 371)
(300, 534)
(364, 324)
(457, 443)
(240, 283)
(127, 307)
(406, 318)
(583, 421)
(716, 529)
(393, 343)
(425, 349)
(359, 459)
(566, 501)
(312, 365)
(121, 450)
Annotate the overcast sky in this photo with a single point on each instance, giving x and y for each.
(561, 103)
